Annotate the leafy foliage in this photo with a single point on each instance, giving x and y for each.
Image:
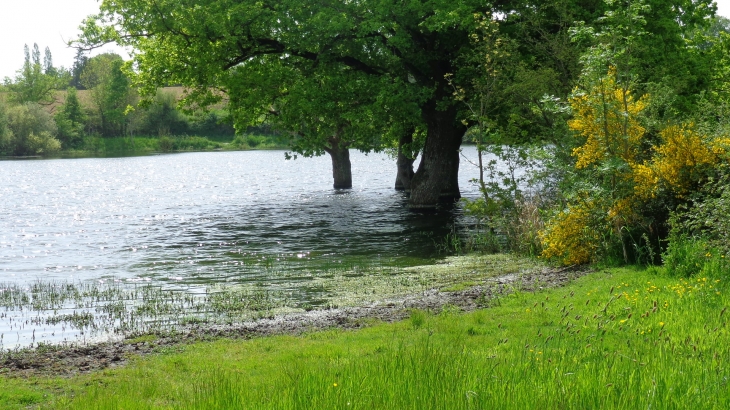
(70, 119)
(5, 132)
(162, 118)
(621, 177)
(36, 81)
(32, 131)
(706, 218)
(111, 94)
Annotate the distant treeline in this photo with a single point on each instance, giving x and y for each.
(46, 109)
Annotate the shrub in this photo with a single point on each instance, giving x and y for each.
(508, 213)
(5, 133)
(252, 141)
(629, 181)
(70, 120)
(166, 144)
(32, 131)
(163, 118)
(211, 124)
(255, 140)
(707, 217)
(685, 256)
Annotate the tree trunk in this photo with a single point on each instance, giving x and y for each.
(341, 166)
(404, 163)
(438, 174)
(450, 190)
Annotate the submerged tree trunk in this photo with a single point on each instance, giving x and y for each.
(341, 166)
(437, 177)
(404, 163)
(450, 190)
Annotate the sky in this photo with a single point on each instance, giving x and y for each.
(50, 23)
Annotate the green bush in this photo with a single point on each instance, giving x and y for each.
(508, 214)
(30, 131)
(212, 125)
(163, 118)
(685, 256)
(700, 231)
(5, 133)
(166, 144)
(707, 217)
(70, 120)
(255, 140)
(249, 141)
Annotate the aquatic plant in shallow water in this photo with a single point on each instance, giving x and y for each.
(62, 312)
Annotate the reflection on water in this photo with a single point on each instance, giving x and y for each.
(203, 217)
(118, 228)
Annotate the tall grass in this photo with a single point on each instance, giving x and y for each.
(144, 144)
(622, 338)
(148, 144)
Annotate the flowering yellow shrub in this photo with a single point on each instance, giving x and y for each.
(625, 176)
(681, 155)
(607, 117)
(645, 181)
(569, 236)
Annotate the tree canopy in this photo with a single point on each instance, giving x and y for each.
(411, 54)
(412, 45)
(38, 79)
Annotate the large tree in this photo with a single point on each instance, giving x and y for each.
(111, 93)
(322, 109)
(413, 44)
(38, 80)
(414, 48)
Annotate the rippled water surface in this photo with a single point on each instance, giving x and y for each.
(197, 218)
(103, 246)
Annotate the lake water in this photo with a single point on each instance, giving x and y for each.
(187, 220)
(186, 217)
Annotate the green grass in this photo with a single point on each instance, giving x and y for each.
(147, 144)
(620, 338)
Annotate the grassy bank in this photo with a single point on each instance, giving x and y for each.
(145, 144)
(617, 338)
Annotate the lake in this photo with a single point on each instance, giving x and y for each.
(174, 216)
(189, 220)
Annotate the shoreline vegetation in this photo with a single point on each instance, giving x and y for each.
(78, 314)
(143, 145)
(600, 338)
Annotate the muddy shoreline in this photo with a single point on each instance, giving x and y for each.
(75, 359)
